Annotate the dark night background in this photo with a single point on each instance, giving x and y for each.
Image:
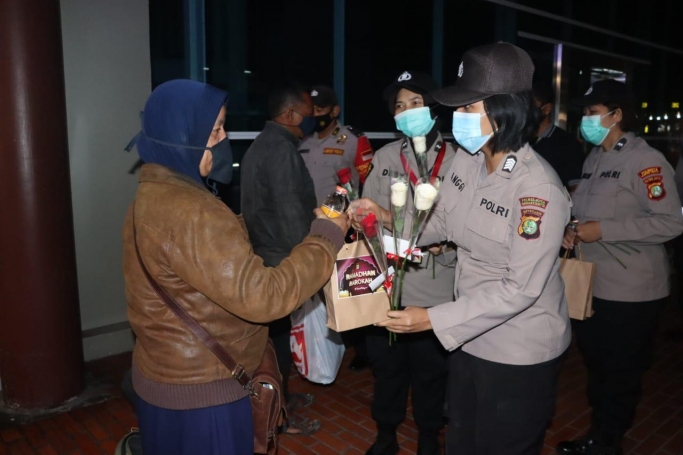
(250, 44)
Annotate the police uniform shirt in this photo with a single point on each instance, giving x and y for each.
(423, 286)
(510, 306)
(322, 155)
(630, 189)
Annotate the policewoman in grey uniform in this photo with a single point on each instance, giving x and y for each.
(506, 210)
(416, 362)
(627, 207)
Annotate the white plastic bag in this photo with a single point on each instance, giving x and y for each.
(317, 351)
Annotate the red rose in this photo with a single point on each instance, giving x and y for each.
(344, 175)
(369, 225)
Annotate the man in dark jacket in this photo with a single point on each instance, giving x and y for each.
(278, 196)
(560, 149)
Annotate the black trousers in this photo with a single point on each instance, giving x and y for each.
(678, 260)
(618, 344)
(499, 409)
(414, 361)
(279, 333)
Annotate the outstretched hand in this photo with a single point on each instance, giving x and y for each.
(360, 208)
(410, 320)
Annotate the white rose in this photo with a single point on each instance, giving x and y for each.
(425, 195)
(420, 143)
(399, 194)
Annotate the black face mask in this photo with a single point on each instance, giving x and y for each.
(323, 121)
(221, 170)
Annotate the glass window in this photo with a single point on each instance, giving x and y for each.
(381, 42)
(252, 44)
(167, 40)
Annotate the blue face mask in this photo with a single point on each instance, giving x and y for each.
(415, 122)
(592, 129)
(467, 131)
(307, 125)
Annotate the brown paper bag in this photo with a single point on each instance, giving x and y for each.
(578, 285)
(350, 302)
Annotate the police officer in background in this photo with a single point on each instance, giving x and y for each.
(627, 207)
(333, 145)
(415, 362)
(330, 147)
(506, 210)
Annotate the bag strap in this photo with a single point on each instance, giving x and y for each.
(578, 247)
(219, 351)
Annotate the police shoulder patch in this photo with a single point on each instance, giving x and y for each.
(655, 187)
(649, 171)
(530, 224)
(533, 201)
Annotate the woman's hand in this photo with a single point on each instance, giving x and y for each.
(589, 231)
(569, 239)
(361, 207)
(410, 320)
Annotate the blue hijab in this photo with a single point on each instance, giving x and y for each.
(177, 122)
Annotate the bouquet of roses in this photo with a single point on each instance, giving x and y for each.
(372, 229)
(425, 194)
(426, 191)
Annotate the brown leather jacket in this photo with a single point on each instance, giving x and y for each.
(197, 249)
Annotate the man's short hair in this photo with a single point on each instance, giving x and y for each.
(284, 95)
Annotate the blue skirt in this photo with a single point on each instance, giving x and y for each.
(219, 430)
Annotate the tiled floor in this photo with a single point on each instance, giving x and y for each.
(344, 411)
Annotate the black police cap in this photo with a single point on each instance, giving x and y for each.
(493, 69)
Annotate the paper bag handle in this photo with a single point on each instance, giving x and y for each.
(577, 246)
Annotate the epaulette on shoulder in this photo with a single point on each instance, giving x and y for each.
(355, 131)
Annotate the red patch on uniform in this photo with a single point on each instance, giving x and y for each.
(364, 154)
(649, 171)
(655, 187)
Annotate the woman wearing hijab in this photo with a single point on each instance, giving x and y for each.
(506, 210)
(197, 250)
